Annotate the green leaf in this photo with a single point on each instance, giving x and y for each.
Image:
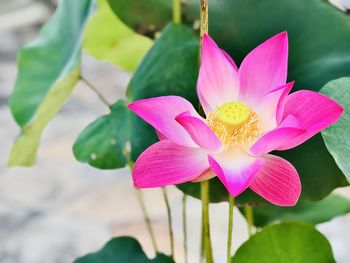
(109, 39)
(146, 16)
(49, 68)
(289, 242)
(336, 137)
(170, 67)
(122, 249)
(102, 142)
(305, 211)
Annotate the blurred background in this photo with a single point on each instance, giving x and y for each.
(61, 209)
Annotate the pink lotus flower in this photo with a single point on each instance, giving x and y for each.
(248, 114)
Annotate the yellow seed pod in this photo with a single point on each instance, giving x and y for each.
(233, 113)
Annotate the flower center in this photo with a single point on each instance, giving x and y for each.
(235, 124)
(233, 113)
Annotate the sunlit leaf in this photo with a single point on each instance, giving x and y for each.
(109, 39)
(49, 68)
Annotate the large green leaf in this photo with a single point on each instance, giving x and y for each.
(49, 68)
(289, 242)
(107, 38)
(336, 137)
(170, 67)
(122, 249)
(306, 211)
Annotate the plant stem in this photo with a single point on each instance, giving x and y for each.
(205, 184)
(184, 226)
(201, 251)
(206, 225)
(141, 202)
(171, 234)
(92, 87)
(146, 218)
(248, 210)
(177, 11)
(230, 227)
(203, 17)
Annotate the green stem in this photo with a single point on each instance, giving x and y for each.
(230, 227)
(206, 224)
(205, 184)
(171, 234)
(184, 226)
(248, 210)
(92, 87)
(141, 202)
(177, 11)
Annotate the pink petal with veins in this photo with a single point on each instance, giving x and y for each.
(218, 79)
(235, 170)
(166, 163)
(264, 69)
(314, 111)
(160, 112)
(277, 181)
